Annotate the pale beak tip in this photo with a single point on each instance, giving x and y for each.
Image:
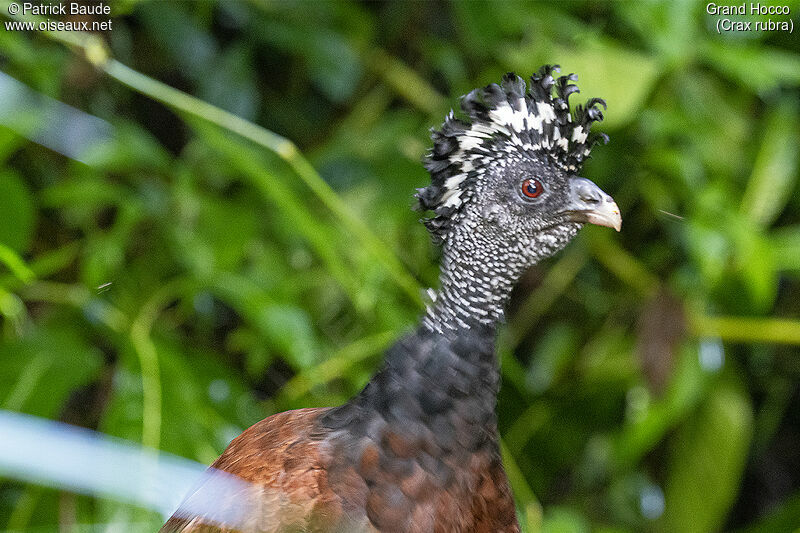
(616, 217)
(617, 224)
(607, 215)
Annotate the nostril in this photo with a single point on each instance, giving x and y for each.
(590, 195)
(585, 195)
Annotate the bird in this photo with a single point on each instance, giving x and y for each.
(417, 450)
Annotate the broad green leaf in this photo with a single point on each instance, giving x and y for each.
(10, 142)
(13, 262)
(756, 268)
(775, 171)
(214, 234)
(563, 519)
(761, 69)
(192, 381)
(669, 28)
(553, 353)
(649, 425)
(707, 460)
(18, 212)
(601, 64)
(297, 212)
(784, 245)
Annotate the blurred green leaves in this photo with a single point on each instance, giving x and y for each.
(34, 380)
(593, 60)
(774, 175)
(706, 462)
(17, 218)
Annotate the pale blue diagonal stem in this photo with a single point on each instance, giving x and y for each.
(99, 465)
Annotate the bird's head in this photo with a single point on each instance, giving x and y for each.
(510, 171)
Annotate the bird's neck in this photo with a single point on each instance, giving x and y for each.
(480, 267)
(441, 381)
(478, 272)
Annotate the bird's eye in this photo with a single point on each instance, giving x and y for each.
(532, 188)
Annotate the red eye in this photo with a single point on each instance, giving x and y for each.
(532, 188)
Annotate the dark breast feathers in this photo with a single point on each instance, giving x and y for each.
(415, 451)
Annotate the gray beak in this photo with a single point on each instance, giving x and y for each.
(589, 204)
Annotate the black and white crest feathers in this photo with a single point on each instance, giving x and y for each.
(502, 120)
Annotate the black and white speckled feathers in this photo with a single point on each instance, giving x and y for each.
(480, 267)
(505, 119)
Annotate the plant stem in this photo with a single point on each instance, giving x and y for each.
(145, 348)
(522, 491)
(406, 82)
(16, 264)
(747, 329)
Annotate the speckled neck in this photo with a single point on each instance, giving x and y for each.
(480, 268)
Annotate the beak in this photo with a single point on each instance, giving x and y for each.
(588, 203)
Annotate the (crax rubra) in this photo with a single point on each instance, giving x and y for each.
(417, 449)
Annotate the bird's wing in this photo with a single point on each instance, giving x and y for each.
(284, 470)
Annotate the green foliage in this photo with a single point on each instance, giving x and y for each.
(18, 214)
(706, 462)
(34, 380)
(202, 258)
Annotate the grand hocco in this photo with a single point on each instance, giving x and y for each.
(417, 449)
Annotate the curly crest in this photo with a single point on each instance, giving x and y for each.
(534, 121)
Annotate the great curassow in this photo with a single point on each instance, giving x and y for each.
(417, 449)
